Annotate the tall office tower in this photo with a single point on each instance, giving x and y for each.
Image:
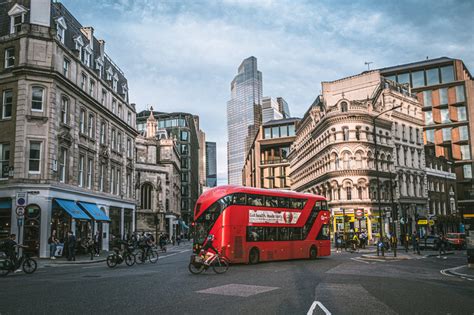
(211, 164)
(270, 110)
(283, 107)
(243, 116)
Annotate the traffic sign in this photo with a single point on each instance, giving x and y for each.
(21, 199)
(20, 211)
(359, 213)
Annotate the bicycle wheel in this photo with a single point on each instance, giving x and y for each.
(153, 256)
(130, 260)
(112, 260)
(5, 267)
(195, 268)
(220, 265)
(139, 259)
(29, 265)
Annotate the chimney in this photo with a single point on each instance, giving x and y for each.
(40, 13)
(101, 48)
(88, 32)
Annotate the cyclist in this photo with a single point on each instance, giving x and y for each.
(207, 247)
(149, 242)
(10, 249)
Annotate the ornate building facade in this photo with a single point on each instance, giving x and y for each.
(158, 170)
(67, 129)
(334, 152)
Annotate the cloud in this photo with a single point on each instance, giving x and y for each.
(182, 55)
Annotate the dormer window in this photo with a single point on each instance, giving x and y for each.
(61, 28)
(99, 65)
(114, 82)
(79, 44)
(125, 92)
(109, 74)
(17, 18)
(87, 55)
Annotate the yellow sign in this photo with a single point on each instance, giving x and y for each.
(469, 215)
(423, 222)
(431, 222)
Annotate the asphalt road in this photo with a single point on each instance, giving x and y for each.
(341, 284)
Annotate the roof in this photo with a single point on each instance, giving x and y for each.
(427, 62)
(281, 121)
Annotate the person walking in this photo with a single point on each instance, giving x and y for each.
(416, 242)
(355, 242)
(97, 243)
(441, 245)
(363, 239)
(71, 246)
(53, 243)
(338, 238)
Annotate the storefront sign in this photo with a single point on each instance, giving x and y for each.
(284, 217)
(422, 222)
(359, 213)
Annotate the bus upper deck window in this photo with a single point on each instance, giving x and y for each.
(255, 200)
(240, 199)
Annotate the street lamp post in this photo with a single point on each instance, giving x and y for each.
(374, 131)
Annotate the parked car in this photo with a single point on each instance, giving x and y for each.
(429, 242)
(457, 240)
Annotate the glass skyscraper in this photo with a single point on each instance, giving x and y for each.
(211, 164)
(243, 116)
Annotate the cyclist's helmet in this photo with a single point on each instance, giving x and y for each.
(210, 237)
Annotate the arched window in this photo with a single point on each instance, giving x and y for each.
(345, 133)
(344, 107)
(146, 196)
(359, 192)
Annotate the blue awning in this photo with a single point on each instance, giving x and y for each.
(6, 204)
(73, 209)
(94, 211)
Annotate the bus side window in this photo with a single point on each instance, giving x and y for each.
(271, 234)
(254, 233)
(297, 203)
(240, 199)
(324, 205)
(271, 201)
(283, 234)
(283, 202)
(324, 233)
(317, 206)
(255, 200)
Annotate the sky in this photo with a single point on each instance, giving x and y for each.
(182, 55)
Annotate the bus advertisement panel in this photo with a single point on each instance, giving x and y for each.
(253, 225)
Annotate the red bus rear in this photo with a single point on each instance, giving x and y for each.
(253, 225)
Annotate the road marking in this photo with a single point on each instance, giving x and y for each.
(360, 260)
(313, 307)
(235, 289)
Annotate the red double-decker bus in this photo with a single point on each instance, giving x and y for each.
(253, 225)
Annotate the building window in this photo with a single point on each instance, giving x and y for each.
(112, 180)
(443, 96)
(35, 157)
(103, 101)
(184, 177)
(64, 110)
(403, 78)
(113, 140)
(349, 193)
(101, 177)
(345, 133)
(114, 84)
(467, 171)
(184, 135)
(119, 141)
(462, 115)
(90, 125)
(60, 29)
(83, 81)
(118, 181)
(114, 106)
(463, 133)
(432, 76)
(447, 74)
(418, 78)
(16, 22)
(417, 135)
(344, 107)
(102, 132)
(403, 133)
(445, 115)
(460, 96)
(291, 130)
(4, 160)
(284, 131)
(129, 185)
(184, 163)
(446, 134)
(82, 121)
(359, 192)
(62, 165)
(129, 148)
(465, 152)
(119, 111)
(7, 104)
(430, 136)
(129, 119)
(66, 64)
(9, 57)
(145, 196)
(37, 99)
(357, 133)
(427, 98)
(184, 149)
(411, 133)
(90, 166)
(91, 88)
(81, 171)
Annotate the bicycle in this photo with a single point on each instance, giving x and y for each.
(219, 263)
(143, 254)
(27, 264)
(119, 256)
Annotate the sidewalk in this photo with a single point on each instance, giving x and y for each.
(370, 252)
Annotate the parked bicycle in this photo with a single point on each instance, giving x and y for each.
(27, 264)
(197, 264)
(119, 256)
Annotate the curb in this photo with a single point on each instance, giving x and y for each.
(436, 255)
(69, 263)
(386, 257)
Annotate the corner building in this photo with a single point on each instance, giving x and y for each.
(66, 129)
(333, 153)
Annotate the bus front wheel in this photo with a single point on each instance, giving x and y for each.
(254, 256)
(313, 252)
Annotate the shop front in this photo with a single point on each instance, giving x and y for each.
(5, 218)
(347, 221)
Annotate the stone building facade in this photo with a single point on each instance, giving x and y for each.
(333, 153)
(158, 188)
(66, 130)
